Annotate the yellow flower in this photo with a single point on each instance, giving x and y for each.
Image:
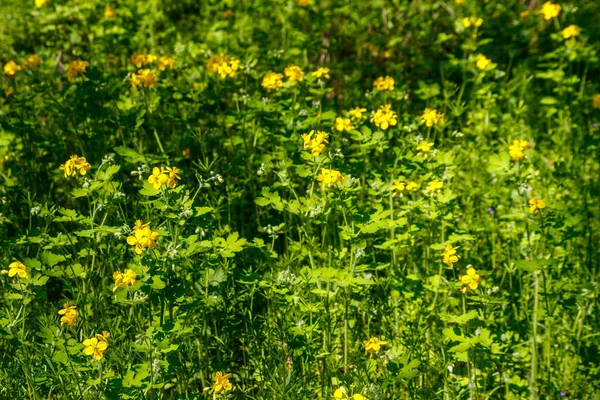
(76, 68)
(69, 315)
(109, 12)
(357, 112)
(221, 382)
(449, 255)
(142, 237)
(95, 348)
(294, 73)
(32, 60)
(425, 146)
(398, 185)
(536, 204)
(341, 394)
(385, 117)
(482, 61)
(165, 62)
(321, 73)
(384, 83)
(9, 90)
(596, 101)
(373, 345)
(329, 177)
(410, 186)
(315, 143)
(472, 21)
(16, 268)
(570, 31)
(75, 164)
(550, 10)
(124, 279)
(435, 185)
(39, 3)
(470, 281)
(145, 77)
(223, 66)
(173, 176)
(272, 81)
(516, 150)
(432, 117)
(103, 337)
(11, 68)
(158, 177)
(303, 3)
(343, 124)
(141, 59)
(458, 2)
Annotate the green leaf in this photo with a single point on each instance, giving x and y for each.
(51, 259)
(157, 283)
(202, 210)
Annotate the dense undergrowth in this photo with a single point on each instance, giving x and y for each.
(293, 199)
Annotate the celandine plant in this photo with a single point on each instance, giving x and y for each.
(293, 199)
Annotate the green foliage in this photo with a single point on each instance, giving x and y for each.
(173, 212)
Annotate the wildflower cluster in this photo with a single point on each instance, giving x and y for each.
(164, 176)
(142, 237)
(315, 141)
(223, 65)
(69, 315)
(74, 165)
(385, 117)
(96, 346)
(517, 149)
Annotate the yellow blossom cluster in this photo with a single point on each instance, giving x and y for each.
(482, 61)
(16, 268)
(69, 315)
(550, 10)
(293, 73)
(143, 77)
(315, 141)
(424, 145)
(342, 394)
(435, 185)
(164, 176)
(142, 237)
(11, 68)
(357, 112)
(223, 65)
(470, 281)
(272, 81)
(329, 177)
(373, 345)
(76, 68)
(322, 72)
(570, 32)
(96, 346)
(536, 204)
(125, 278)
(400, 186)
(385, 117)
(472, 21)
(449, 256)
(141, 59)
(343, 124)
(75, 164)
(384, 83)
(221, 382)
(517, 149)
(110, 12)
(432, 117)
